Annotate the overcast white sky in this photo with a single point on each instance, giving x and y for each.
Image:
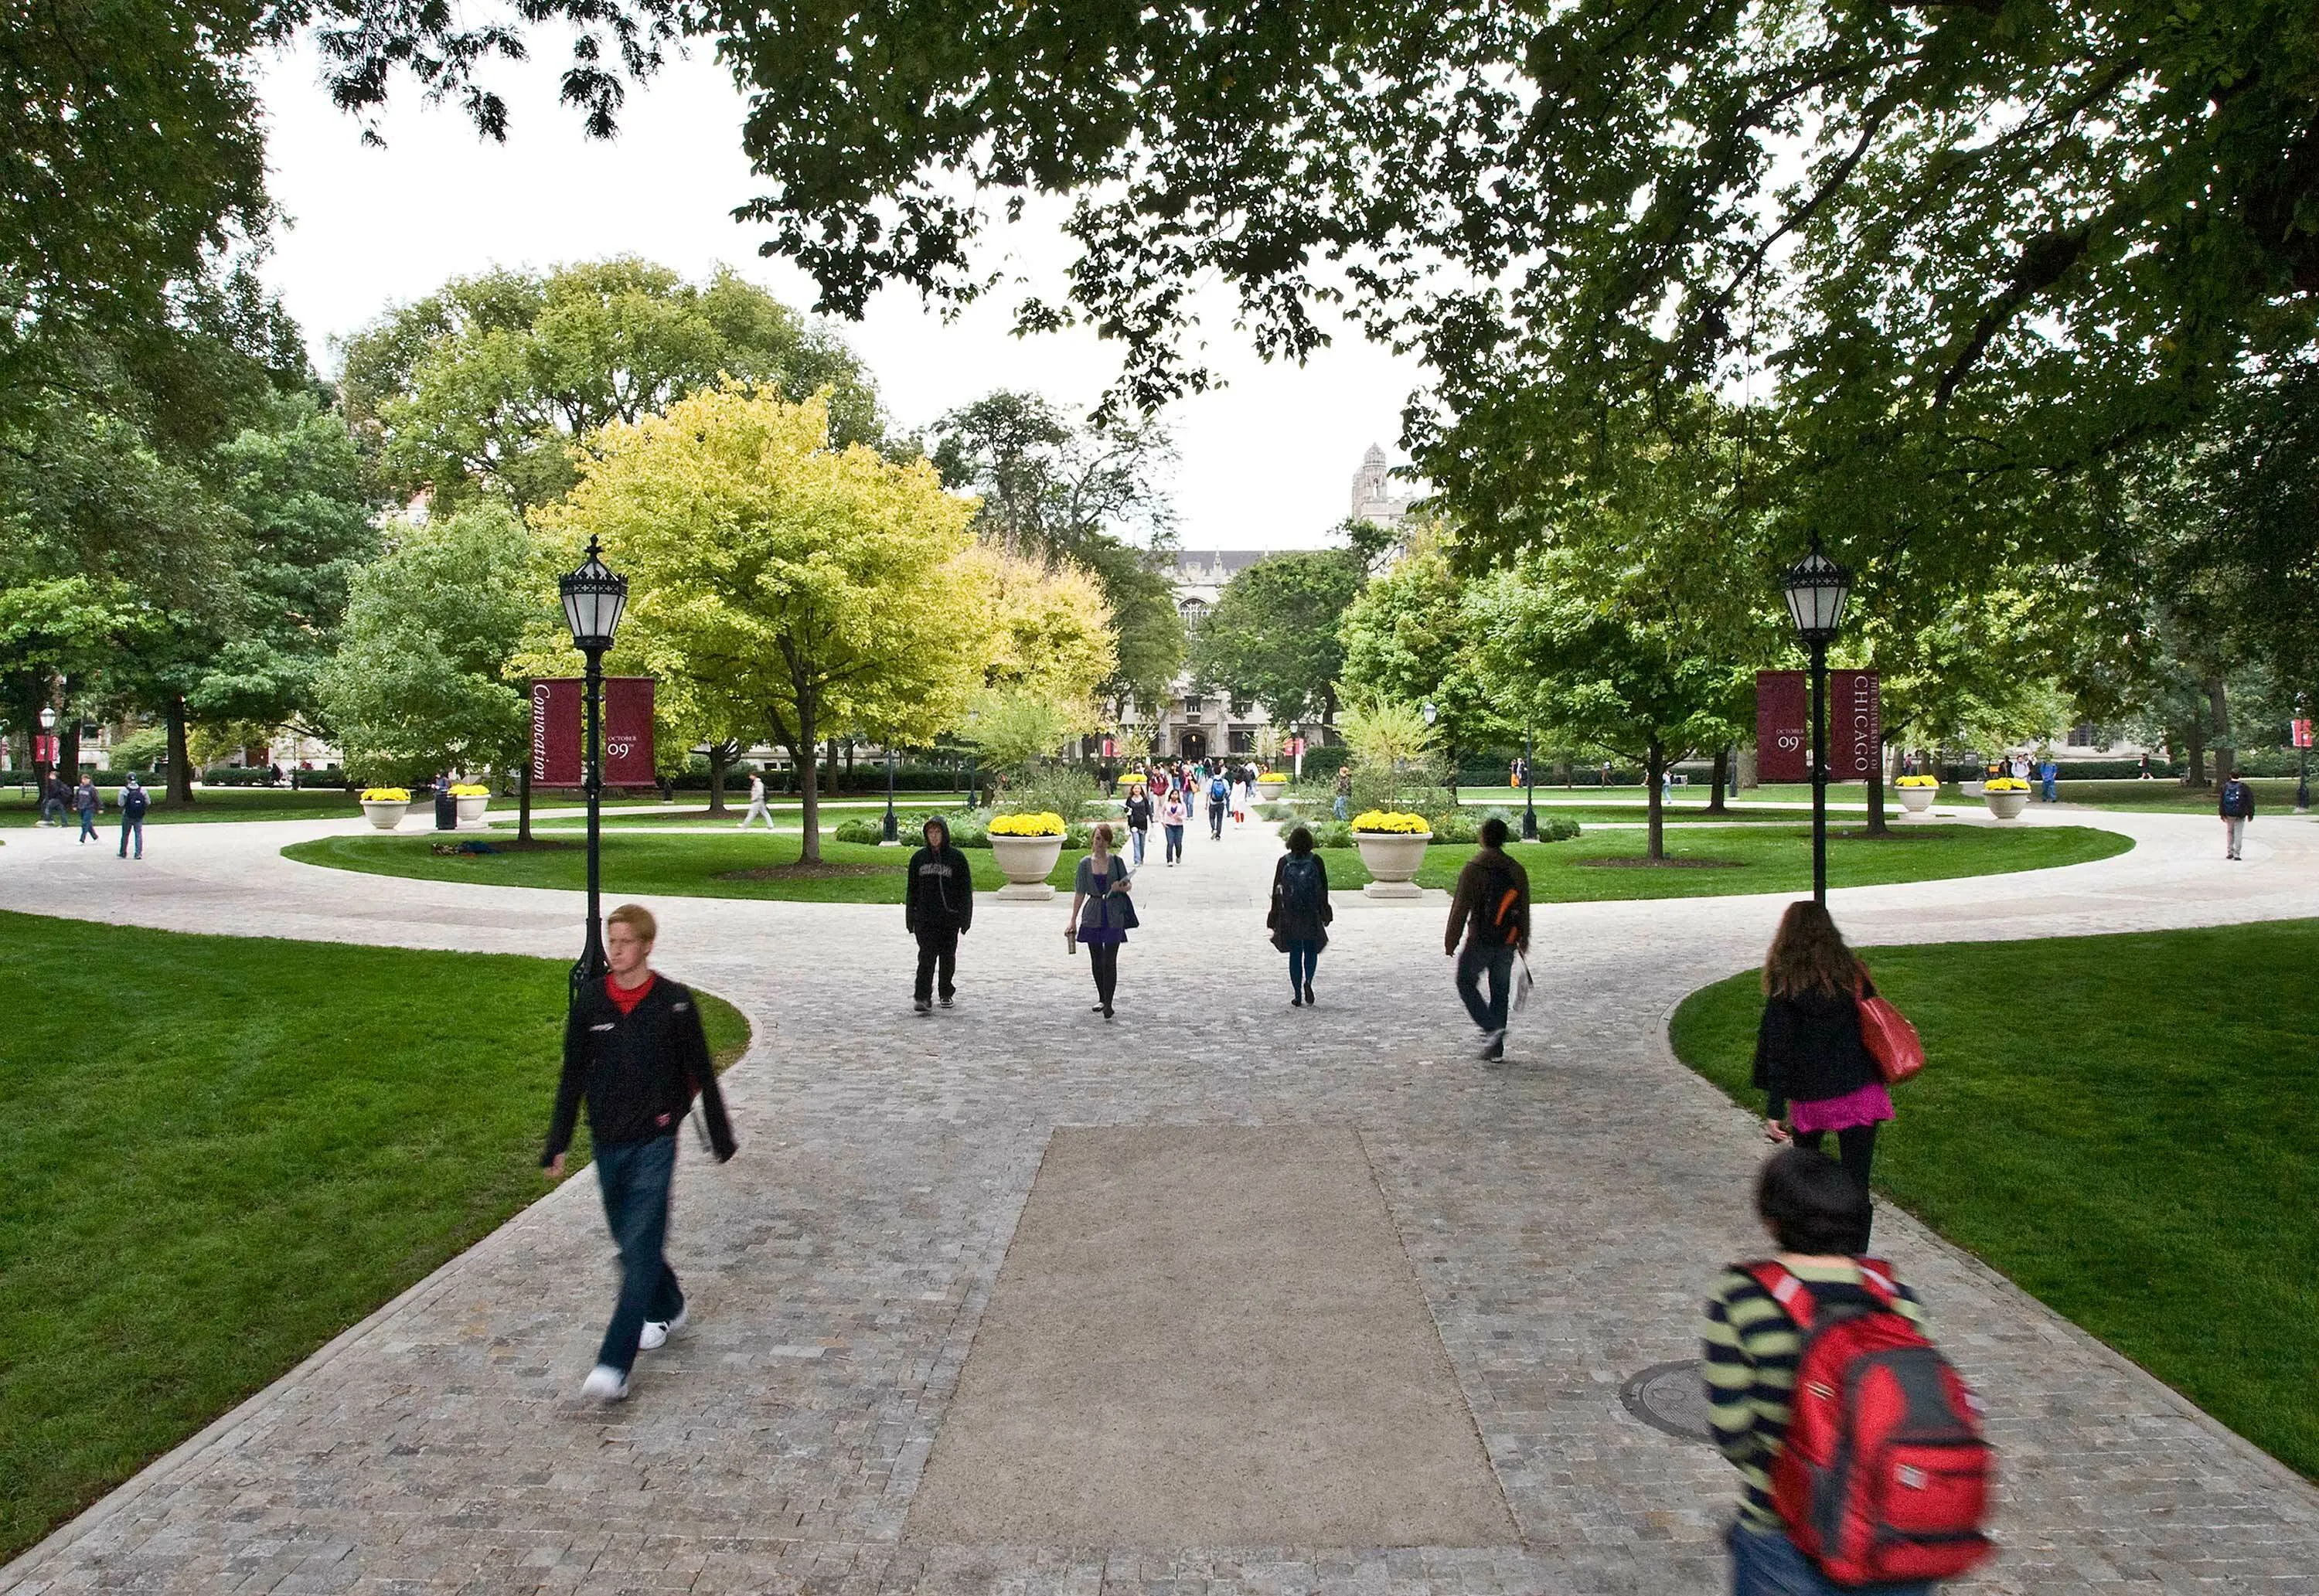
(1267, 462)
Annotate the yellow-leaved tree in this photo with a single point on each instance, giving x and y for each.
(1052, 634)
(775, 582)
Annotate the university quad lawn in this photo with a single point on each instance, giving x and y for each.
(2121, 1125)
(220, 1152)
(19, 808)
(724, 864)
(1725, 859)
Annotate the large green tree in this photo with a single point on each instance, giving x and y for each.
(1054, 488)
(1273, 636)
(482, 389)
(1407, 638)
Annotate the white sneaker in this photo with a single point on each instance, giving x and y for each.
(605, 1383)
(657, 1331)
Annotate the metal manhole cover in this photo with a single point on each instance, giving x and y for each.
(1670, 1397)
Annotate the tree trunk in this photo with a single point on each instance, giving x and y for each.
(1876, 826)
(2194, 744)
(181, 766)
(1722, 774)
(2218, 705)
(1653, 764)
(523, 802)
(69, 750)
(720, 757)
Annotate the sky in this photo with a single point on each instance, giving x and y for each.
(1267, 462)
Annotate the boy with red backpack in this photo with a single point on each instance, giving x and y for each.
(1491, 911)
(1860, 1452)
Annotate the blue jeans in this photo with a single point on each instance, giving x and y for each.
(1135, 842)
(634, 1177)
(1175, 842)
(132, 825)
(1303, 958)
(88, 825)
(1766, 1562)
(1473, 959)
(1339, 806)
(1216, 817)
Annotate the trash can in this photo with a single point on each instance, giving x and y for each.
(446, 810)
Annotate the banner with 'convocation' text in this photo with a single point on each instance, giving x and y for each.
(558, 731)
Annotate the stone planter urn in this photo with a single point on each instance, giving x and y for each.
(2006, 806)
(1026, 862)
(384, 816)
(1392, 857)
(1916, 801)
(471, 809)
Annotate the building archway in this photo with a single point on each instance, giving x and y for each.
(1192, 746)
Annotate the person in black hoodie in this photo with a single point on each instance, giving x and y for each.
(937, 909)
(1811, 1062)
(634, 1049)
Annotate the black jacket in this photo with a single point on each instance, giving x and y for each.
(1138, 812)
(1296, 926)
(638, 1071)
(1481, 886)
(940, 892)
(1807, 1049)
(2237, 801)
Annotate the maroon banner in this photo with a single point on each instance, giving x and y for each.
(556, 709)
(628, 731)
(1855, 725)
(1783, 727)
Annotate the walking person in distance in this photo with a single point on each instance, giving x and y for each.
(1491, 912)
(1811, 1062)
(1219, 799)
(757, 811)
(1300, 914)
(937, 909)
(1101, 915)
(1755, 1338)
(2236, 803)
(1342, 808)
(134, 801)
(1175, 813)
(1138, 820)
(86, 804)
(634, 1048)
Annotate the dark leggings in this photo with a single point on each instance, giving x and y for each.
(1102, 958)
(1855, 1149)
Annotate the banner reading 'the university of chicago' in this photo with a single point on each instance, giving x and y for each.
(1855, 725)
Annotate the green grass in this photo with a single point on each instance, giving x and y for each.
(681, 865)
(2273, 795)
(1760, 859)
(2122, 1125)
(215, 803)
(221, 1151)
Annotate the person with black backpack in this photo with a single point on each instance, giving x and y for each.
(2237, 807)
(1300, 913)
(1878, 1478)
(1492, 911)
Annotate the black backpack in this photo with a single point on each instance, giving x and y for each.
(1299, 885)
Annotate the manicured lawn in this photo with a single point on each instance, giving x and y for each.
(214, 803)
(2273, 795)
(1752, 858)
(221, 1151)
(2121, 1125)
(693, 866)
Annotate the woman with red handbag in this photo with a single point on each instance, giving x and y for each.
(1812, 1061)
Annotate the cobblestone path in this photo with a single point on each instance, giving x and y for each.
(1562, 1214)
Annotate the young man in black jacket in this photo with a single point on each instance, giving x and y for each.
(1491, 911)
(634, 1048)
(937, 909)
(2237, 807)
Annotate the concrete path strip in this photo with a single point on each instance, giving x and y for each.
(1208, 1336)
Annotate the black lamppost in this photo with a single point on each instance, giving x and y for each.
(56, 749)
(1529, 787)
(893, 833)
(2303, 751)
(1816, 588)
(593, 598)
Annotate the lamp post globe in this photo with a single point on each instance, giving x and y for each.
(594, 599)
(1817, 590)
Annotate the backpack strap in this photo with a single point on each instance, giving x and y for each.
(1876, 1278)
(1780, 1282)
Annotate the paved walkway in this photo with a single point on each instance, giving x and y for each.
(1561, 1215)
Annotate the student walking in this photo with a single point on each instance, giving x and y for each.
(634, 1048)
(1810, 1061)
(2237, 807)
(1300, 914)
(1174, 816)
(1757, 1333)
(133, 803)
(2048, 772)
(53, 799)
(1101, 915)
(1491, 911)
(757, 809)
(1343, 806)
(1139, 821)
(1219, 796)
(937, 909)
(86, 804)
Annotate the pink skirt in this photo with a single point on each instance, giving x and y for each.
(1866, 1105)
